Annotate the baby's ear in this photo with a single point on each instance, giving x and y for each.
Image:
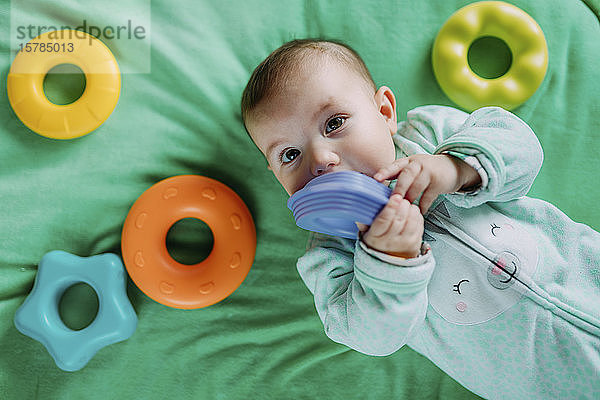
(386, 102)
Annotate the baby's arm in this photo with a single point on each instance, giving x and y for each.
(367, 304)
(502, 144)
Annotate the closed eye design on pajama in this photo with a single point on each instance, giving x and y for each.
(501, 265)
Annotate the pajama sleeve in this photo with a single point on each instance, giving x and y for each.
(501, 143)
(365, 303)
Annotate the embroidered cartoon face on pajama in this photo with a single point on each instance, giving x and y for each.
(493, 258)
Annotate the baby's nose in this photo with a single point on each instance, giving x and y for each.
(321, 169)
(324, 163)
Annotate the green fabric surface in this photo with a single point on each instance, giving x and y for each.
(264, 341)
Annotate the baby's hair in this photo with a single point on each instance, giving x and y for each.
(270, 76)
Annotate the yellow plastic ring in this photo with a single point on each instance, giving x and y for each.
(517, 29)
(26, 79)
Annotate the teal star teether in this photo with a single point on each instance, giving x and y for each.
(39, 318)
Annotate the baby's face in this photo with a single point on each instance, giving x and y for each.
(324, 121)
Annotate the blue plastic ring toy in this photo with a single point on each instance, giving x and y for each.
(331, 203)
(39, 317)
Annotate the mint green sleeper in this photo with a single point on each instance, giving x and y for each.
(528, 330)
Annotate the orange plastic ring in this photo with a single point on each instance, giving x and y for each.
(144, 248)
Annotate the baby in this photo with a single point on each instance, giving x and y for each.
(500, 290)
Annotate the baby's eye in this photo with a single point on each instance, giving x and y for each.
(334, 123)
(288, 155)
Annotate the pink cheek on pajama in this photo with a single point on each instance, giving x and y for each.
(460, 306)
(501, 263)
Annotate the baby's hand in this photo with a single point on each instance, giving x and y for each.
(397, 229)
(428, 176)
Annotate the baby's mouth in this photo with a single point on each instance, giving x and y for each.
(386, 182)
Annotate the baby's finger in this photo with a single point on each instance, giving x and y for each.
(419, 185)
(361, 227)
(392, 170)
(400, 220)
(427, 199)
(413, 229)
(385, 218)
(406, 178)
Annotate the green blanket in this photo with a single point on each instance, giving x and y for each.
(264, 341)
